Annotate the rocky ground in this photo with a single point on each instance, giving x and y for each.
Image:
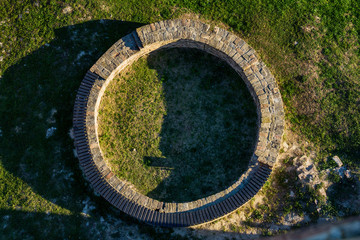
(297, 157)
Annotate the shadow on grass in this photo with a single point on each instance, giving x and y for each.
(38, 94)
(18, 224)
(209, 131)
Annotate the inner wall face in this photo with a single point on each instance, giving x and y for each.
(179, 124)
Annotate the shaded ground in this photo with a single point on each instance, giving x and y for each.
(179, 124)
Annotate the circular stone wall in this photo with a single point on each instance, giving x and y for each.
(189, 34)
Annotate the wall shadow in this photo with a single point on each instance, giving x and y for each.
(35, 225)
(38, 94)
(209, 130)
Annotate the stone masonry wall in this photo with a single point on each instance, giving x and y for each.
(192, 34)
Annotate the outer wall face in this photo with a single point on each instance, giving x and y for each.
(167, 34)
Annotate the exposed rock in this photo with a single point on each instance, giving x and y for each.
(306, 170)
(67, 10)
(292, 194)
(50, 132)
(285, 146)
(71, 133)
(318, 209)
(347, 174)
(88, 207)
(309, 175)
(340, 171)
(338, 161)
(293, 218)
(79, 56)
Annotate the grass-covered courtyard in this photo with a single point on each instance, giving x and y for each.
(179, 124)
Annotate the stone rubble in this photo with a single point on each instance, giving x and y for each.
(50, 132)
(67, 10)
(292, 219)
(338, 161)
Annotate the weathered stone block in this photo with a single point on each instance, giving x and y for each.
(162, 26)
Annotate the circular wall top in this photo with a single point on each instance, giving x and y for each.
(169, 34)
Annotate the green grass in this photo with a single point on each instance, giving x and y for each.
(177, 129)
(45, 53)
